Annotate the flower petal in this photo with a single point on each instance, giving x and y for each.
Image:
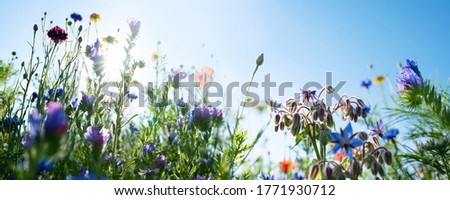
(336, 137)
(348, 131)
(336, 148)
(349, 153)
(356, 142)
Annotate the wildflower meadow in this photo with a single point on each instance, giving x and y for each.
(64, 117)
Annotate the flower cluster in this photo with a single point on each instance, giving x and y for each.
(204, 117)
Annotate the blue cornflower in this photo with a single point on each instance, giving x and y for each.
(366, 83)
(169, 166)
(366, 110)
(413, 65)
(345, 141)
(132, 96)
(377, 129)
(14, 121)
(299, 175)
(264, 177)
(49, 94)
(391, 134)
(76, 17)
(44, 166)
(148, 148)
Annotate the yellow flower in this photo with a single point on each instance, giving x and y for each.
(110, 40)
(95, 17)
(155, 56)
(378, 79)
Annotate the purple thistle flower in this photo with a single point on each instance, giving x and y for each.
(95, 136)
(345, 141)
(87, 102)
(56, 122)
(161, 161)
(377, 129)
(391, 134)
(57, 34)
(366, 83)
(409, 77)
(76, 17)
(148, 148)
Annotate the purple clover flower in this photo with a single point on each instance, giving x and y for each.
(345, 141)
(97, 137)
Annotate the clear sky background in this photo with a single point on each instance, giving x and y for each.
(301, 40)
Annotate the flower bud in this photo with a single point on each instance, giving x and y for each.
(80, 28)
(328, 173)
(314, 171)
(80, 39)
(342, 176)
(35, 27)
(260, 60)
(282, 126)
(276, 128)
(387, 157)
(363, 136)
(380, 169)
(373, 167)
(355, 168)
(277, 119)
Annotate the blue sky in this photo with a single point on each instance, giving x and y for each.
(301, 40)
